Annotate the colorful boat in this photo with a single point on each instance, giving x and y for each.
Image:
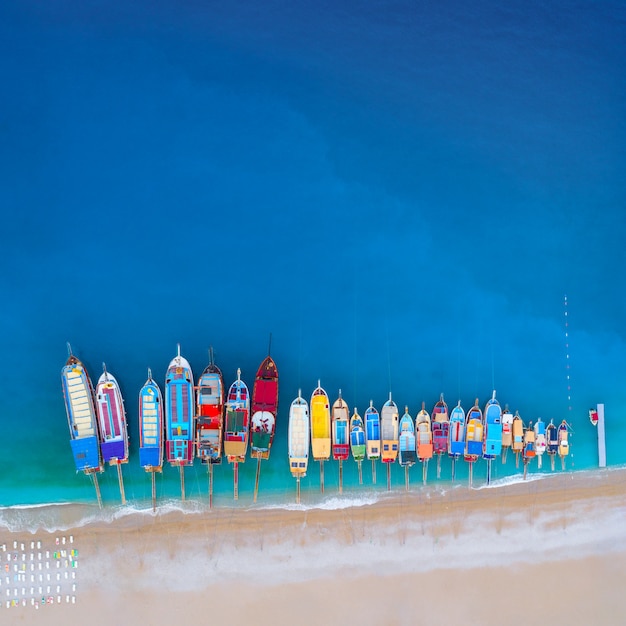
(357, 437)
(424, 435)
(563, 437)
(529, 451)
(179, 409)
(389, 425)
(236, 428)
(507, 431)
(340, 424)
(492, 444)
(441, 426)
(517, 430)
(552, 442)
(81, 417)
(474, 433)
(111, 419)
(151, 430)
(179, 415)
(210, 413)
(456, 431)
(320, 424)
(372, 432)
(593, 417)
(264, 409)
(151, 426)
(540, 440)
(112, 422)
(298, 439)
(407, 454)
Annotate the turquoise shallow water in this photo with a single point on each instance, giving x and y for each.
(403, 196)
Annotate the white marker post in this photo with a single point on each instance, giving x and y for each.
(601, 437)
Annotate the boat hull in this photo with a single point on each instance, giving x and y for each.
(151, 427)
(236, 428)
(81, 415)
(298, 437)
(320, 425)
(264, 409)
(210, 415)
(372, 434)
(179, 407)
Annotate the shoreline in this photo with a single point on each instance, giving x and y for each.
(563, 528)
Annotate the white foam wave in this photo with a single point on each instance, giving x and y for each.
(513, 480)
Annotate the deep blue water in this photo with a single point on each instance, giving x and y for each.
(403, 195)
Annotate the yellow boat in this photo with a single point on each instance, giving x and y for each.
(320, 424)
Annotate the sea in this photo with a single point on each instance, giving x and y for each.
(415, 198)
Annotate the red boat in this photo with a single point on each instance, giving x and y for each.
(264, 409)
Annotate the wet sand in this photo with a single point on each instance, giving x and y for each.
(551, 549)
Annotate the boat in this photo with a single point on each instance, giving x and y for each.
(407, 454)
(320, 429)
(492, 443)
(357, 441)
(424, 439)
(507, 431)
(372, 437)
(372, 432)
(529, 451)
(552, 442)
(563, 437)
(179, 418)
(340, 429)
(389, 425)
(456, 432)
(210, 413)
(81, 418)
(424, 435)
(237, 426)
(474, 433)
(440, 424)
(320, 424)
(357, 438)
(389, 429)
(151, 430)
(593, 417)
(264, 409)
(264, 412)
(540, 440)
(112, 422)
(298, 439)
(340, 434)
(517, 431)
(456, 435)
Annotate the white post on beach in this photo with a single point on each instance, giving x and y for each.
(601, 437)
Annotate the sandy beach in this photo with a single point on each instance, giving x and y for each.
(548, 549)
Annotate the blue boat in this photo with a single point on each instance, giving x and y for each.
(492, 445)
(151, 430)
(179, 415)
(81, 417)
(407, 454)
(372, 432)
(474, 432)
(456, 432)
(151, 426)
